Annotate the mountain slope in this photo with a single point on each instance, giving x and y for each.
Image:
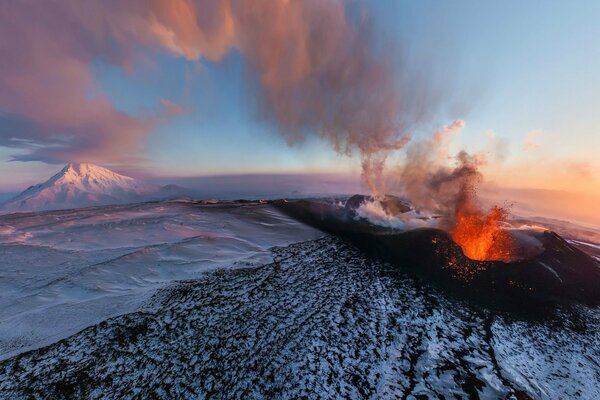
(83, 185)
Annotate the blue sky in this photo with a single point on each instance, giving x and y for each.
(508, 68)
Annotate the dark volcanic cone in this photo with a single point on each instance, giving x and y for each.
(559, 273)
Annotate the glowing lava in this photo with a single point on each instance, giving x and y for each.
(481, 235)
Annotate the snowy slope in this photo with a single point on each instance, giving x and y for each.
(61, 271)
(82, 185)
(320, 321)
(184, 299)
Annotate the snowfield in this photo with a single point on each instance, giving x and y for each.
(183, 300)
(64, 270)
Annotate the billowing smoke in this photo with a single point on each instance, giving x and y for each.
(316, 65)
(427, 180)
(319, 72)
(455, 188)
(432, 185)
(442, 193)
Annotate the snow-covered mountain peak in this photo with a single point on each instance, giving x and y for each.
(83, 185)
(88, 169)
(93, 176)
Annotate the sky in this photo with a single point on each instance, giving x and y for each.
(174, 89)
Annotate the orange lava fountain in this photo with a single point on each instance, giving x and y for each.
(481, 235)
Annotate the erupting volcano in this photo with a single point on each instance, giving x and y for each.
(481, 236)
(451, 193)
(476, 254)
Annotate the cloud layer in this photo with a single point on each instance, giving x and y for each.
(314, 63)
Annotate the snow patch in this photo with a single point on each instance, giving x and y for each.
(551, 270)
(593, 245)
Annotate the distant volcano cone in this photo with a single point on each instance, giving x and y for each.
(82, 185)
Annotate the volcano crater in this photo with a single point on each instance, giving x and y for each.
(554, 272)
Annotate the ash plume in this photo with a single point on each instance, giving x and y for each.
(451, 192)
(317, 66)
(428, 182)
(456, 188)
(320, 72)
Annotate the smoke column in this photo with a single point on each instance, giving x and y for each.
(318, 72)
(317, 69)
(425, 178)
(433, 186)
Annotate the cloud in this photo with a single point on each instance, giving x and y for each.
(50, 103)
(531, 141)
(46, 83)
(581, 169)
(316, 66)
(442, 136)
(173, 108)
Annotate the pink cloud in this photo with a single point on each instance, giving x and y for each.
(173, 108)
(316, 71)
(48, 96)
(531, 141)
(46, 80)
(581, 169)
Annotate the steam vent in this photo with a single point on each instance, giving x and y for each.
(554, 272)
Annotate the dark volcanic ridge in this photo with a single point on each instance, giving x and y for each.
(560, 272)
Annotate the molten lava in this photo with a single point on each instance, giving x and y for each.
(481, 235)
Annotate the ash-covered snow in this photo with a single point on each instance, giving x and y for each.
(314, 319)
